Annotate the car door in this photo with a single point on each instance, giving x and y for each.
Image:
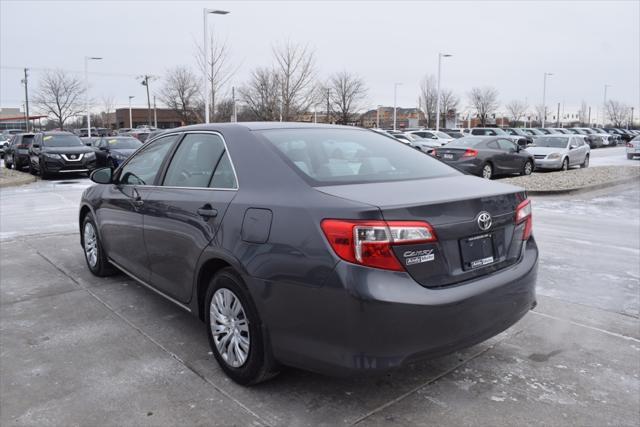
(574, 153)
(510, 158)
(184, 213)
(120, 214)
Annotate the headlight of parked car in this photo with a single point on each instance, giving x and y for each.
(90, 156)
(52, 156)
(554, 156)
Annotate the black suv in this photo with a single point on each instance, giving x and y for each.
(17, 153)
(60, 152)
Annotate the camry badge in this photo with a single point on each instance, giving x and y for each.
(484, 221)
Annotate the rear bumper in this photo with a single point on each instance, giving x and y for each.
(365, 320)
(472, 166)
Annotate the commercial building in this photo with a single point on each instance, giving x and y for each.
(166, 118)
(405, 118)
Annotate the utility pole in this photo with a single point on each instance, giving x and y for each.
(145, 82)
(328, 97)
(155, 113)
(440, 56)
(558, 117)
(604, 105)
(544, 97)
(25, 81)
(234, 115)
(631, 120)
(589, 119)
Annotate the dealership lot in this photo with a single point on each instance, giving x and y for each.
(81, 350)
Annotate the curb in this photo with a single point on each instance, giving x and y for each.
(583, 189)
(22, 180)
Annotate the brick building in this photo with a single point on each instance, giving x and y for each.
(405, 118)
(167, 118)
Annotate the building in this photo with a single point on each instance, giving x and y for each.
(13, 118)
(405, 118)
(166, 118)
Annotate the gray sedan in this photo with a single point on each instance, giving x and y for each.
(560, 152)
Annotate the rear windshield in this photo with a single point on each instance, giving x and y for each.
(467, 141)
(344, 156)
(552, 141)
(62, 140)
(120, 143)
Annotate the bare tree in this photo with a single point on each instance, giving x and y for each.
(583, 114)
(225, 110)
(516, 109)
(484, 101)
(218, 68)
(448, 102)
(262, 94)
(60, 95)
(618, 113)
(180, 93)
(108, 104)
(428, 90)
(295, 65)
(347, 91)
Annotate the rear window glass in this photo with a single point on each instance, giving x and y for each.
(344, 156)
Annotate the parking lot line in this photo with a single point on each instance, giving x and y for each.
(593, 328)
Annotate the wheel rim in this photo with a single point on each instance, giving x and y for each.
(486, 172)
(527, 168)
(229, 327)
(90, 244)
(565, 165)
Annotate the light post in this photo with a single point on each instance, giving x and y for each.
(206, 12)
(395, 106)
(86, 89)
(604, 105)
(440, 56)
(130, 116)
(544, 97)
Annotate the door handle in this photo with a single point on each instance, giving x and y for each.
(207, 211)
(137, 199)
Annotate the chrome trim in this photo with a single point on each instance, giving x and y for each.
(145, 284)
(80, 156)
(73, 171)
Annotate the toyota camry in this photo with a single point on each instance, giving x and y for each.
(328, 248)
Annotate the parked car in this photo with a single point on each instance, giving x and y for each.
(614, 139)
(533, 132)
(440, 138)
(485, 131)
(17, 153)
(454, 133)
(562, 131)
(606, 139)
(487, 156)
(593, 140)
(518, 132)
(111, 151)
(546, 131)
(321, 247)
(59, 152)
(4, 144)
(633, 148)
(560, 152)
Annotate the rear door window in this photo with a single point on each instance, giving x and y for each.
(194, 161)
(506, 145)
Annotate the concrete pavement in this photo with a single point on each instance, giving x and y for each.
(80, 350)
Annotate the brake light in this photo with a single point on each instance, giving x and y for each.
(470, 153)
(524, 214)
(370, 243)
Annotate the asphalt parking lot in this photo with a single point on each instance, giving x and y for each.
(80, 350)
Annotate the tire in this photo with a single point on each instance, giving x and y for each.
(99, 265)
(32, 170)
(527, 168)
(585, 164)
(487, 171)
(565, 165)
(7, 164)
(257, 365)
(43, 173)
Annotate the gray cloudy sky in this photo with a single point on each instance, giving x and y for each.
(505, 44)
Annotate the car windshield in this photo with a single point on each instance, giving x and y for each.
(62, 140)
(344, 156)
(121, 143)
(467, 141)
(552, 141)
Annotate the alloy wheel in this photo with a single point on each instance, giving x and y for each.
(90, 244)
(229, 327)
(527, 168)
(487, 172)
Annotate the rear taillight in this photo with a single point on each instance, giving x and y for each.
(524, 214)
(470, 153)
(370, 243)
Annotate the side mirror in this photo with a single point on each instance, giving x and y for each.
(522, 143)
(573, 147)
(434, 137)
(102, 176)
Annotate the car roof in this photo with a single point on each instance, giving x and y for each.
(257, 126)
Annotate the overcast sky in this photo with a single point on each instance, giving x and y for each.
(504, 44)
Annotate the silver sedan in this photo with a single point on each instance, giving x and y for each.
(560, 152)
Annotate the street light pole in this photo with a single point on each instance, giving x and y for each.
(440, 56)
(395, 103)
(130, 116)
(25, 81)
(205, 44)
(604, 105)
(86, 89)
(544, 97)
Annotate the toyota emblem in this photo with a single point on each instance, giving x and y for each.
(484, 221)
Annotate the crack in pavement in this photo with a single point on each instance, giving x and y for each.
(154, 341)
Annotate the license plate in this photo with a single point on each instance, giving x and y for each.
(447, 156)
(477, 251)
